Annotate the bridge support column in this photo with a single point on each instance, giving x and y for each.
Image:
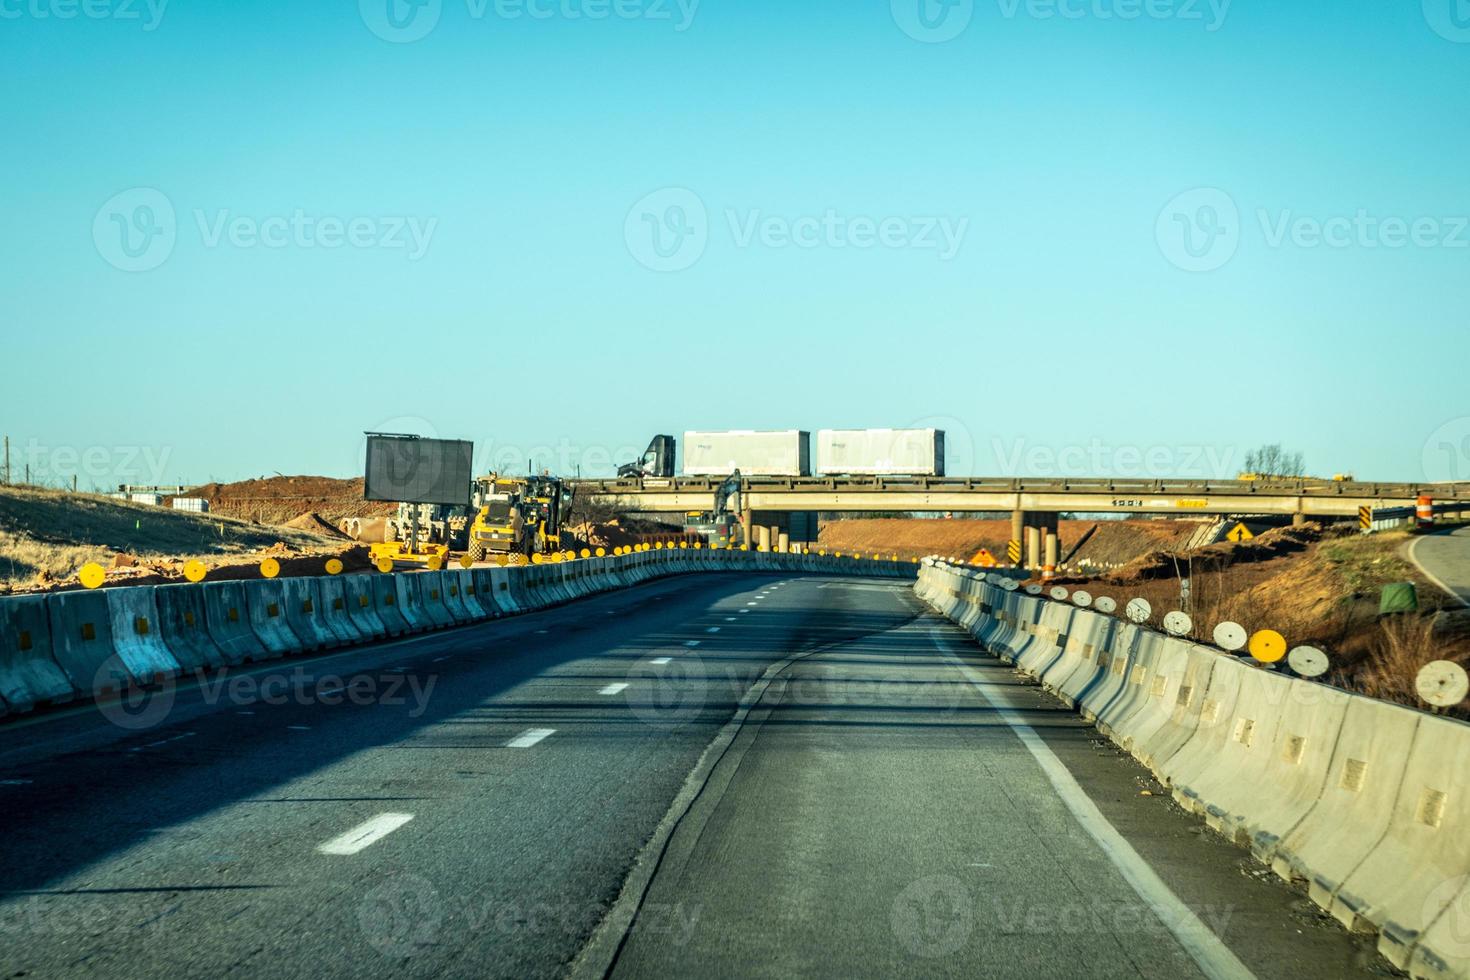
(1018, 530)
(747, 518)
(1033, 547)
(762, 538)
(1298, 519)
(1049, 562)
(783, 542)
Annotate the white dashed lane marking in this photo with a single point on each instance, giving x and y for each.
(614, 689)
(365, 834)
(691, 643)
(162, 741)
(528, 738)
(659, 661)
(713, 629)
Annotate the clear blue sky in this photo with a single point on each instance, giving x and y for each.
(1080, 315)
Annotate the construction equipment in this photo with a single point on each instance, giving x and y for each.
(720, 526)
(423, 534)
(519, 515)
(657, 460)
(433, 524)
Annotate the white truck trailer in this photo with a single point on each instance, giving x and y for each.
(880, 452)
(786, 453)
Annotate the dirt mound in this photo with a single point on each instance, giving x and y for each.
(279, 499)
(47, 535)
(316, 523)
(622, 532)
(1171, 563)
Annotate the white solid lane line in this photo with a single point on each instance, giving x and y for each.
(365, 834)
(1215, 960)
(659, 661)
(614, 689)
(528, 738)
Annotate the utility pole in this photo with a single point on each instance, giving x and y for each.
(7, 461)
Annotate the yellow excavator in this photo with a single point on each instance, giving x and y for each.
(519, 516)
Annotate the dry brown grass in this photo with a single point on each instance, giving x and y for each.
(1399, 647)
(1327, 596)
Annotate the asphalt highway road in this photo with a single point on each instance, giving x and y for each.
(1445, 558)
(714, 775)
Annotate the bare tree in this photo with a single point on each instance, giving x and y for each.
(1272, 460)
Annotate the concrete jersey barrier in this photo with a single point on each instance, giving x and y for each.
(29, 674)
(387, 605)
(136, 636)
(183, 620)
(81, 643)
(265, 601)
(362, 606)
(227, 617)
(335, 613)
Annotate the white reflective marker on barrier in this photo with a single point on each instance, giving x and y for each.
(1442, 683)
(1230, 636)
(1308, 661)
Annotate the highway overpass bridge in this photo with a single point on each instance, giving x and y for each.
(1302, 498)
(1032, 504)
(699, 764)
